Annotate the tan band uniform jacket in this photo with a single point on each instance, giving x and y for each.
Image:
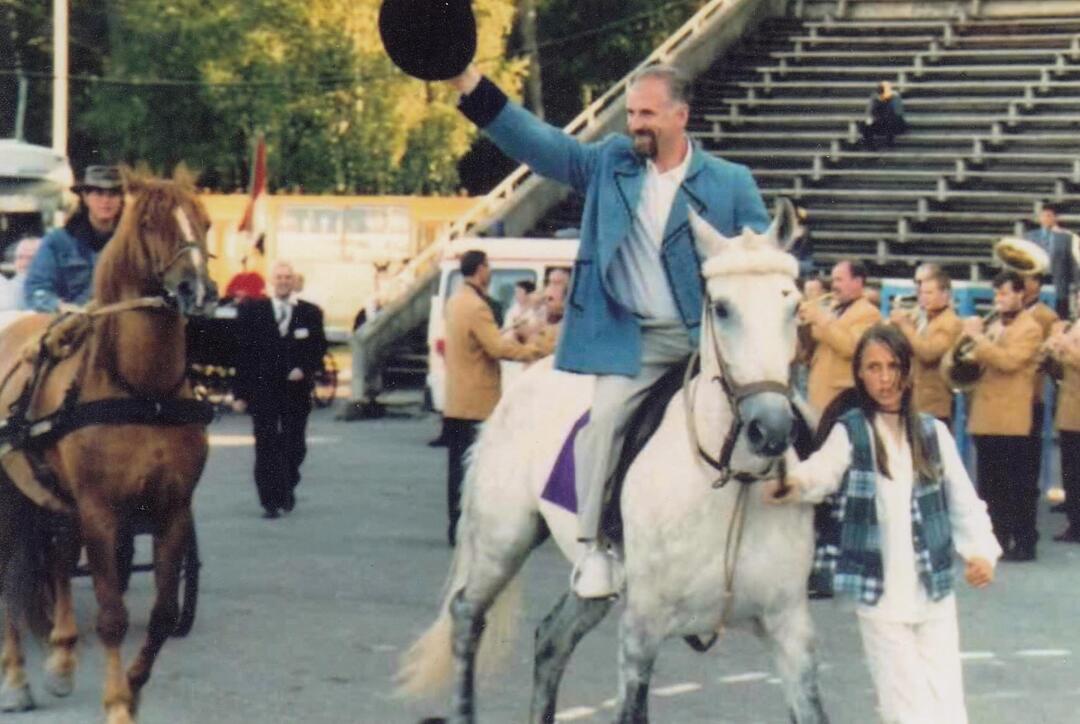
(1001, 403)
(830, 367)
(1046, 317)
(1068, 405)
(474, 347)
(932, 393)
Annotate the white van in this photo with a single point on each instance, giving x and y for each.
(511, 261)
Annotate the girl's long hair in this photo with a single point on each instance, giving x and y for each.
(890, 337)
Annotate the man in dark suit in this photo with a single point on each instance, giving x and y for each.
(281, 348)
(1057, 243)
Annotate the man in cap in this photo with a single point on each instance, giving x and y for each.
(634, 306)
(63, 269)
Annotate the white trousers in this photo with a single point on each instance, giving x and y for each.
(916, 668)
(596, 449)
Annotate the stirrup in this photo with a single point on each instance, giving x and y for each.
(595, 574)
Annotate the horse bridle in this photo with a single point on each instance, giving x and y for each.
(735, 394)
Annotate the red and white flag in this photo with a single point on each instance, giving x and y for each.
(253, 223)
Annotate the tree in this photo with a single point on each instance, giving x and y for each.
(313, 76)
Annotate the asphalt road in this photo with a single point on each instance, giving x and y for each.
(302, 619)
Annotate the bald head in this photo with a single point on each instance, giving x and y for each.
(282, 279)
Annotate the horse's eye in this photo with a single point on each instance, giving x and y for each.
(721, 310)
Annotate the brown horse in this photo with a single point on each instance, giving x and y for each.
(128, 346)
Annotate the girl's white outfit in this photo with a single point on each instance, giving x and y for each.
(911, 642)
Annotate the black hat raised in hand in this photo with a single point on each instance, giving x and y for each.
(429, 39)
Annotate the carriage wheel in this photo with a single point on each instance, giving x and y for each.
(189, 589)
(326, 381)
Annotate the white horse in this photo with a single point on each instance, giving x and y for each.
(686, 572)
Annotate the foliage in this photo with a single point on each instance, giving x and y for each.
(164, 81)
(185, 80)
(588, 45)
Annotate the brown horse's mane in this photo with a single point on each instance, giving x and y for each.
(147, 235)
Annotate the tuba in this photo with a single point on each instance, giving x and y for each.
(1019, 255)
(1022, 256)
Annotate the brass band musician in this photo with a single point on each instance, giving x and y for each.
(836, 331)
(1001, 414)
(1064, 346)
(931, 333)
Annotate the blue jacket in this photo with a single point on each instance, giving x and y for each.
(599, 335)
(63, 268)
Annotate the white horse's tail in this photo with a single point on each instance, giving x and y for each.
(427, 666)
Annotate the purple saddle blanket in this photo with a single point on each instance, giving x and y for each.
(559, 489)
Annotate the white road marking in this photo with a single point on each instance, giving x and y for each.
(977, 655)
(577, 712)
(249, 440)
(676, 689)
(995, 695)
(1043, 653)
(744, 678)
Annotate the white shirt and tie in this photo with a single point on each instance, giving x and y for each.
(283, 311)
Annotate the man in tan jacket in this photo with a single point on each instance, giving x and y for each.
(1064, 346)
(1001, 418)
(836, 331)
(931, 334)
(474, 347)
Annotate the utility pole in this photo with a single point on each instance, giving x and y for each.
(60, 77)
(534, 87)
(20, 74)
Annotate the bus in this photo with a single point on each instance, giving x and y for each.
(340, 244)
(35, 193)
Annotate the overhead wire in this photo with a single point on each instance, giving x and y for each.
(333, 81)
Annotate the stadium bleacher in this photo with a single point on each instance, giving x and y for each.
(993, 105)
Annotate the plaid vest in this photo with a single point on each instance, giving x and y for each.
(847, 560)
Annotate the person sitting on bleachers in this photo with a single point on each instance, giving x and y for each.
(884, 117)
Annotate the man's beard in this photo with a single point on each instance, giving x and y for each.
(645, 144)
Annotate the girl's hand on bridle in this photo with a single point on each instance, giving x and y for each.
(780, 492)
(979, 572)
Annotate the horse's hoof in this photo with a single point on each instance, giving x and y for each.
(16, 699)
(118, 714)
(59, 683)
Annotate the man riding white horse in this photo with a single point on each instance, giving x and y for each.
(634, 308)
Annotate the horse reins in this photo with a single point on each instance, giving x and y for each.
(735, 394)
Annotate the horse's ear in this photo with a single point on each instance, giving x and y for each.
(786, 227)
(710, 242)
(134, 179)
(184, 176)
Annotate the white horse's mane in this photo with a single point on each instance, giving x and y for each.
(750, 260)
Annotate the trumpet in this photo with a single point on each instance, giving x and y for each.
(1048, 363)
(824, 302)
(907, 304)
(958, 366)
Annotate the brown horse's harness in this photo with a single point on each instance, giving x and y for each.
(64, 337)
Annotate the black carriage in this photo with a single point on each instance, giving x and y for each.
(213, 351)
